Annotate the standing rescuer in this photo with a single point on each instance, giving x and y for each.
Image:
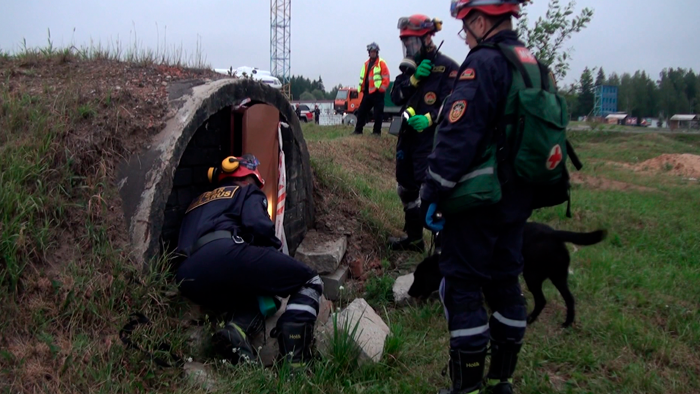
(374, 82)
(481, 181)
(426, 80)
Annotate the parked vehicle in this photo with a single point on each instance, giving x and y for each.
(347, 103)
(307, 115)
(252, 72)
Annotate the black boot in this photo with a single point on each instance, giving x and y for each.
(232, 344)
(232, 341)
(466, 371)
(504, 357)
(294, 341)
(413, 240)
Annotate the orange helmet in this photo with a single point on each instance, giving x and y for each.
(237, 167)
(418, 25)
(460, 9)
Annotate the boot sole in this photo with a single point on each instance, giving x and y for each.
(223, 346)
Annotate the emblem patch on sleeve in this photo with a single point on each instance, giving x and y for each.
(453, 74)
(467, 75)
(457, 111)
(430, 98)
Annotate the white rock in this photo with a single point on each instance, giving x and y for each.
(200, 374)
(268, 351)
(370, 335)
(322, 256)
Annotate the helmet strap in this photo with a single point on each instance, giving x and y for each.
(481, 39)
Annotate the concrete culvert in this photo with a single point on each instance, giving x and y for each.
(208, 122)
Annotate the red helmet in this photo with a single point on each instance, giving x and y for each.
(237, 167)
(418, 25)
(460, 9)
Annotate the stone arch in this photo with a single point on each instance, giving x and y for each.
(204, 125)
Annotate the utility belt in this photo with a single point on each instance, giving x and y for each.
(215, 236)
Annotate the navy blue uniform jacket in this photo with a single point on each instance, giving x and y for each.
(469, 115)
(239, 209)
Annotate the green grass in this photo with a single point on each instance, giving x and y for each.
(637, 326)
(67, 284)
(133, 51)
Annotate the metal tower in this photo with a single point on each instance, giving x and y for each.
(281, 42)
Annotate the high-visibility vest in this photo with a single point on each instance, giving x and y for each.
(378, 76)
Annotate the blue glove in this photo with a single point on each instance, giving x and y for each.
(435, 226)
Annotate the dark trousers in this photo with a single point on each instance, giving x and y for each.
(369, 101)
(482, 258)
(412, 150)
(224, 275)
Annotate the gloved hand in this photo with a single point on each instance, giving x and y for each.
(436, 225)
(424, 69)
(419, 122)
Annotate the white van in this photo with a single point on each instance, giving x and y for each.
(247, 72)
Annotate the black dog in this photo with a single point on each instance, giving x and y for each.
(545, 256)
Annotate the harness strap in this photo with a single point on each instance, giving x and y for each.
(214, 236)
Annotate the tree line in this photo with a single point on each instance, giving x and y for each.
(305, 89)
(676, 90)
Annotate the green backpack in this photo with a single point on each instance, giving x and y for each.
(531, 138)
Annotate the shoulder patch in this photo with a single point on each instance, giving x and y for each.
(430, 98)
(221, 193)
(525, 55)
(467, 74)
(453, 74)
(438, 69)
(457, 111)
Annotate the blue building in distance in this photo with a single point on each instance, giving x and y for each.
(605, 100)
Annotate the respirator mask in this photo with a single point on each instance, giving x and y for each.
(412, 52)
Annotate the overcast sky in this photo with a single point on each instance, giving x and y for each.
(329, 36)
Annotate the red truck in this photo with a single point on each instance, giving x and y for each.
(347, 101)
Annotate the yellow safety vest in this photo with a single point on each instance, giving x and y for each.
(379, 76)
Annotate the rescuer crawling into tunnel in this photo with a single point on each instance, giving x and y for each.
(234, 261)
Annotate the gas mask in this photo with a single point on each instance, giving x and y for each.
(412, 53)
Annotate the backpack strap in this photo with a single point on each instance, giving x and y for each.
(513, 59)
(573, 156)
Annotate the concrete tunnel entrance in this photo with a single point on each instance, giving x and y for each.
(210, 122)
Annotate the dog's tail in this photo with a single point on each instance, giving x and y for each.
(581, 239)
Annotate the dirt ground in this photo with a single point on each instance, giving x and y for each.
(602, 183)
(337, 216)
(686, 165)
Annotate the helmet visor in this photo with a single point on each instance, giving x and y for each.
(411, 46)
(406, 23)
